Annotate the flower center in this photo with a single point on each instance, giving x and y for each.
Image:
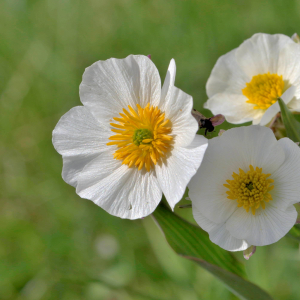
(142, 138)
(263, 90)
(142, 134)
(250, 189)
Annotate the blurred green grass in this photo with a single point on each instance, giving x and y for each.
(54, 245)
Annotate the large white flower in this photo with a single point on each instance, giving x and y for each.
(245, 188)
(132, 140)
(245, 83)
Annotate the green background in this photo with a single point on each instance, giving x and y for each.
(55, 245)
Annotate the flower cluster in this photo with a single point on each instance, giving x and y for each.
(134, 140)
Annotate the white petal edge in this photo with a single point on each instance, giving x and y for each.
(226, 76)
(79, 138)
(109, 86)
(175, 171)
(266, 227)
(289, 66)
(233, 107)
(73, 165)
(260, 53)
(179, 111)
(218, 233)
(287, 177)
(167, 88)
(121, 191)
(79, 133)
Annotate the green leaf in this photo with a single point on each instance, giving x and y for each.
(242, 288)
(294, 233)
(192, 242)
(292, 126)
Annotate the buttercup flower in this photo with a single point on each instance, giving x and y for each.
(245, 189)
(132, 140)
(245, 83)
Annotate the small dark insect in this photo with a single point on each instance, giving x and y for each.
(207, 123)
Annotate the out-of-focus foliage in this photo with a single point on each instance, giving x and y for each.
(54, 245)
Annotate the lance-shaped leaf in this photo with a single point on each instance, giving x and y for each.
(292, 126)
(242, 288)
(192, 242)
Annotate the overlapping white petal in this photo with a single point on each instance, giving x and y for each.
(260, 54)
(175, 171)
(121, 191)
(82, 134)
(219, 234)
(111, 85)
(79, 138)
(236, 149)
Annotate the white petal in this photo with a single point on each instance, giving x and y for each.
(209, 195)
(79, 137)
(198, 141)
(174, 172)
(271, 112)
(177, 106)
(289, 66)
(205, 223)
(265, 227)
(167, 89)
(226, 76)
(233, 107)
(255, 145)
(260, 53)
(294, 105)
(79, 133)
(179, 111)
(73, 165)
(287, 177)
(236, 148)
(218, 233)
(109, 86)
(121, 191)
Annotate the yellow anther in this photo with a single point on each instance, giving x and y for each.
(141, 136)
(250, 189)
(263, 90)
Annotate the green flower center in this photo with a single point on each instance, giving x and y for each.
(142, 134)
(250, 186)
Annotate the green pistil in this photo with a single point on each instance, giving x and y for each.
(250, 186)
(140, 135)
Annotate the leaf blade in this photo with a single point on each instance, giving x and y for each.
(188, 239)
(292, 126)
(237, 285)
(193, 243)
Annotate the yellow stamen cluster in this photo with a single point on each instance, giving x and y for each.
(250, 189)
(264, 90)
(142, 136)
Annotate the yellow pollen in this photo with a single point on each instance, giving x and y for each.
(142, 136)
(264, 90)
(251, 189)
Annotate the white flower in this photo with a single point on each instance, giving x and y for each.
(245, 83)
(245, 188)
(132, 140)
